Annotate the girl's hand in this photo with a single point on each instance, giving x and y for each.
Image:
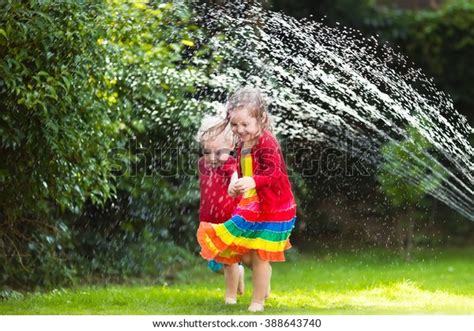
(244, 184)
(232, 191)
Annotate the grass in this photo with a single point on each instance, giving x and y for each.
(367, 282)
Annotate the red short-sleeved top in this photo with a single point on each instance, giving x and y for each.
(216, 206)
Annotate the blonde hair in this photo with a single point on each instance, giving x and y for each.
(253, 100)
(211, 127)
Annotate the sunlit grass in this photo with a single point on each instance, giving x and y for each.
(368, 282)
(403, 297)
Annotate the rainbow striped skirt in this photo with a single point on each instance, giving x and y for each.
(248, 229)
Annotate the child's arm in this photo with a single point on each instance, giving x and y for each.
(269, 163)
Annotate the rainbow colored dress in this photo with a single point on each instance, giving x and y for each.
(245, 231)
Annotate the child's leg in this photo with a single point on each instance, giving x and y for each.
(241, 285)
(231, 277)
(269, 288)
(247, 260)
(261, 278)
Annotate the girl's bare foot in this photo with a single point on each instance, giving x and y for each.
(256, 307)
(230, 301)
(241, 286)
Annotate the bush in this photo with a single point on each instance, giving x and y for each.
(56, 132)
(89, 90)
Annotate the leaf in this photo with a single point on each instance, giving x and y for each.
(3, 33)
(188, 42)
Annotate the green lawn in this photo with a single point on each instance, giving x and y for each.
(368, 282)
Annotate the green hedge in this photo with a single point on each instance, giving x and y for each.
(89, 92)
(56, 132)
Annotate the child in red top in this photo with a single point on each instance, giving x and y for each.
(259, 229)
(216, 205)
(216, 169)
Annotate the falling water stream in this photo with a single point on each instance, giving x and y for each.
(334, 85)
